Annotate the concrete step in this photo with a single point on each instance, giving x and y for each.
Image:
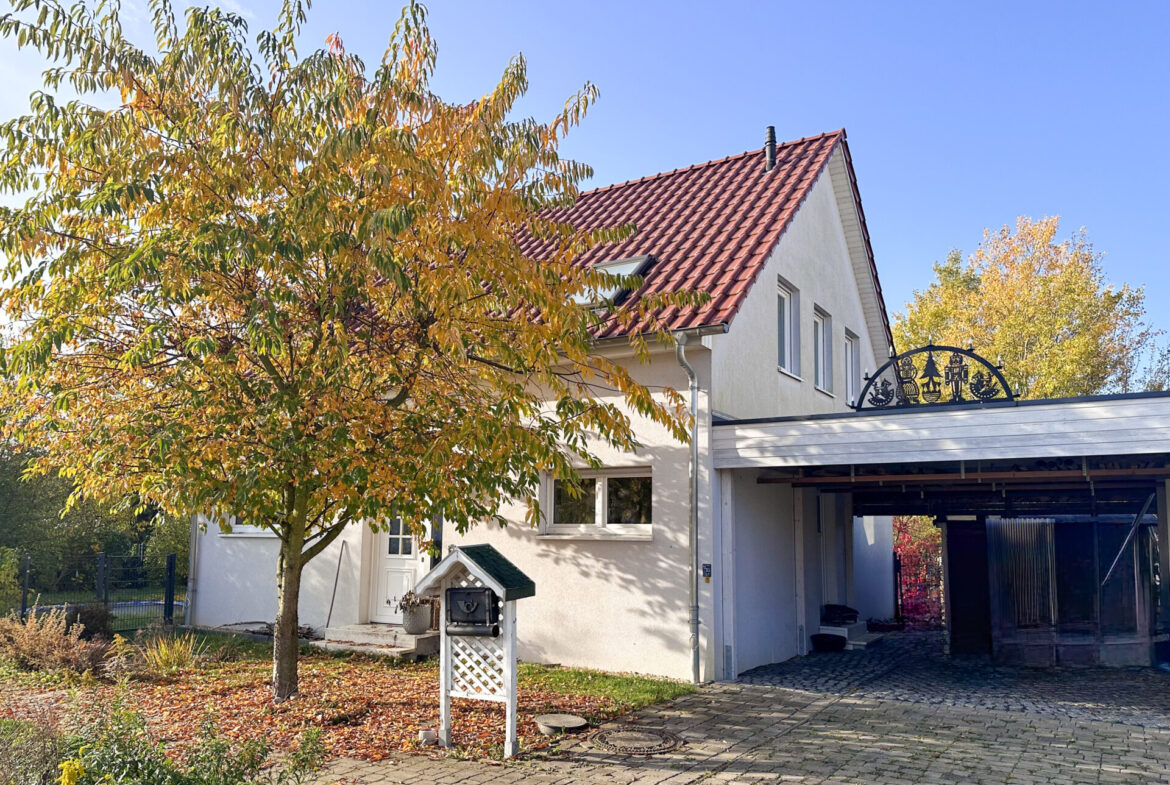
(864, 641)
(850, 631)
(383, 639)
(395, 652)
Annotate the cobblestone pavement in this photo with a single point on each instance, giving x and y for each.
(901, 714)
(911, 667)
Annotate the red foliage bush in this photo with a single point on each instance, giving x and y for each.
(918, 544)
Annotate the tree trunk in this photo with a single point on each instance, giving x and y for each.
(285, 642)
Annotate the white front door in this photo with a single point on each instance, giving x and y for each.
(396, 564)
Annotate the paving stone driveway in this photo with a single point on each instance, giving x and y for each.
(901, 714)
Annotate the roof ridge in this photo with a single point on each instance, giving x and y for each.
(652, 177)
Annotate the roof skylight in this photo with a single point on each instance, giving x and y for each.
(635, 265)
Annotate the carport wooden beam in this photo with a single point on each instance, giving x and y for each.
(1074, 475)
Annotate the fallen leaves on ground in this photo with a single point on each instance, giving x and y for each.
(365, 708)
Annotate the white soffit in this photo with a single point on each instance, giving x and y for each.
(1106, 425)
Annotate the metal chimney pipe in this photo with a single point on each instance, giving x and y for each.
(770, 148)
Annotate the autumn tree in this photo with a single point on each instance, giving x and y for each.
(1039, 303)
(291, 288)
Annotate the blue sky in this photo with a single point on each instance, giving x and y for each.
(959, 117)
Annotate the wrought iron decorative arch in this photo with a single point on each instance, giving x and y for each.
(964, 377)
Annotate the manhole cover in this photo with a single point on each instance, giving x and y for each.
(635, 741)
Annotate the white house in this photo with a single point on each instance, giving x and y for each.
(778, 238)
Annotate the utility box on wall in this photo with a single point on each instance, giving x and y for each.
(478, 588)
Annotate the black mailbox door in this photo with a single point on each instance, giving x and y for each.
(472, 607)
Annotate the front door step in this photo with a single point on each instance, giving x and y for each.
(382, 640)
(850, 631)
(856, 635)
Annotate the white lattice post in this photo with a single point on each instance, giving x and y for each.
(511, 743)
(445, 666)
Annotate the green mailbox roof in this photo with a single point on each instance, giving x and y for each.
(487, 564)
(515, 583)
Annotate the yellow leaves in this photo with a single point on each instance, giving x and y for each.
(1041, 305)
(309, 280)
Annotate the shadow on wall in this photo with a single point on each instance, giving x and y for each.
(645, 580)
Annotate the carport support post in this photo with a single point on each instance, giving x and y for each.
(1163, 557)
(511, 744)
(798, 547)
(444, 672)
(946, 584)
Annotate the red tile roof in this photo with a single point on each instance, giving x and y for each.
(710, 227)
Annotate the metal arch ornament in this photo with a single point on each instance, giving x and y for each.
(947, 374)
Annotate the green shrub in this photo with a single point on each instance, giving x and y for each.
(170, 534)
(29, 751)
(9, 580)
(111, 745)
(167, 655)
(95, 619)
(44, 642)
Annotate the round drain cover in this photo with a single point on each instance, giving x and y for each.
(548, 724)
(635, 741)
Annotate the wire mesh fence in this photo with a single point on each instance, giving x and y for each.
(118, 593)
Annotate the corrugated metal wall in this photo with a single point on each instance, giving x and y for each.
(1022, 561)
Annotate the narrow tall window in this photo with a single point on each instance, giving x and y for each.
(787, 328)
(852, 367)
(822, 351)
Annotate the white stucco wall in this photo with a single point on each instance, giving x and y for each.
(764, 580)
(623, 605)
(873, 565)
(813, 256)
(618, 605)
(235, 580)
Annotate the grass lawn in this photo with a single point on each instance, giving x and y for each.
(366, 707)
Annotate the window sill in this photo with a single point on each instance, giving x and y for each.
(784, 371)
(600, 535)
(266, 535)
(823, 391)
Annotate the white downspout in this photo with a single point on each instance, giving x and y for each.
(680, 339)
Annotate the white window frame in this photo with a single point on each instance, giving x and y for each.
(600, 298)
(600, 529)
(822, 350)
(245, 529)
(788, 323)
(852, 366)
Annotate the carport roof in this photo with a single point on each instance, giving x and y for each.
(1127, 424)
(1082, 455)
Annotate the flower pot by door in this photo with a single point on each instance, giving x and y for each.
(416, 620)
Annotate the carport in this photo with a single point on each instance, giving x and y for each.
(1039, 502)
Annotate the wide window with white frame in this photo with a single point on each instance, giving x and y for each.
(237, 526)
(852, 367)
(787, 327)
(614, 502)
(822, 350)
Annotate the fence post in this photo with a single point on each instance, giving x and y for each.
(101, 577)
(169, 597)
(897, 588)
(25, 569)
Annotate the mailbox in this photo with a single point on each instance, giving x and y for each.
(473, 612)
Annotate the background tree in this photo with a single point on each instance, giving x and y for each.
(291, 289)
(61, 546)
(1040, 304)
(1043, 307)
